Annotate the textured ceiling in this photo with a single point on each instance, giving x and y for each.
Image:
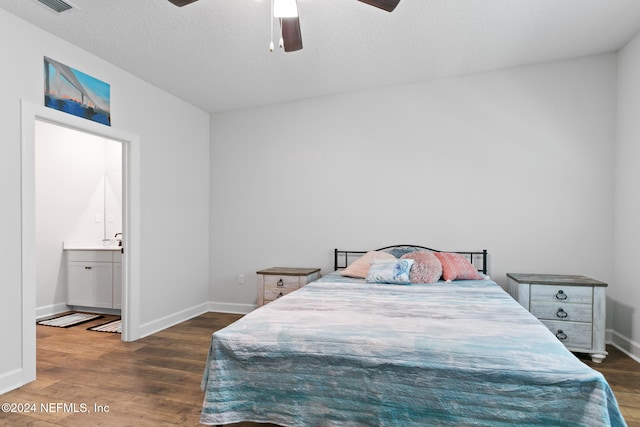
(214, 53)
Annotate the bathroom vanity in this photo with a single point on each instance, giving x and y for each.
(94, 275)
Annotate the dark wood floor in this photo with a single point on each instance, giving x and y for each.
(156, 381)
(623, 375)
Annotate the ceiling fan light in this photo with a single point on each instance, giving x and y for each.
(285, 9)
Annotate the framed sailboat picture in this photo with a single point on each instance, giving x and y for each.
(74, 92)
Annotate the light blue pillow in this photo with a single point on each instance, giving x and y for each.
(398, 251)
(395, 271)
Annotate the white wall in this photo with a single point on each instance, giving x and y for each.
(626, 293)
(173, 184)
(78, 199)
(519, 162)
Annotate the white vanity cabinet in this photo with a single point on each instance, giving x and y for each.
(94, 278)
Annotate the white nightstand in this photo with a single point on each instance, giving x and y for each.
(276, 282)
(572, 307)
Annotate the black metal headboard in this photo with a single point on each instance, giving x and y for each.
(341, 259)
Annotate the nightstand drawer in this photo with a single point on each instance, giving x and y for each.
(562, 312)
(559, 293)
(281, 282)
(574, 335)
(274, 294)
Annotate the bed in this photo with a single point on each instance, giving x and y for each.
(342, 351)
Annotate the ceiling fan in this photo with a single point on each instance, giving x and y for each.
(290, 24)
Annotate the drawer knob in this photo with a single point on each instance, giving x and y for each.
(561, 313)
(280, 283)
(561, 295)
(280, 295)
(561, 335)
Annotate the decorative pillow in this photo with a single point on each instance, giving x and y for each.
(426, 267)
(396, 271)
(457, 267)
(360, 267)
(398, 251)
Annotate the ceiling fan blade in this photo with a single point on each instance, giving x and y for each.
(181, 3)
(387, 5)
(291, 34)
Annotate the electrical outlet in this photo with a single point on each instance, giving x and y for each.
(240, 278)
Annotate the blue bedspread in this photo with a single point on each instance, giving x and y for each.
(347, 353)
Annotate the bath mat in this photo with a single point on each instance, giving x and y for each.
(114, 326)
(68, 320)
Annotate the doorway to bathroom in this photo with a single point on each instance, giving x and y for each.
(78, 214)
(30, 114)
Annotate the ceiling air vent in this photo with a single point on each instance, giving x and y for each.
(57, 5)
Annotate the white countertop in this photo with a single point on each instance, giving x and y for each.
(89, 246)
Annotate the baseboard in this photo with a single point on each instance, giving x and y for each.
(226, 307)
(51, 310)
(158, 325)
(98, 310)
(624, 344)
(12, 380)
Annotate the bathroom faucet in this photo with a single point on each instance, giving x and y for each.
(120, 239)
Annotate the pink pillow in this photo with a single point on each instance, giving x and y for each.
(360, 267)
(426, 267)
(457, 267)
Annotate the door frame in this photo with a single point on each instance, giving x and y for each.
(30, 113)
